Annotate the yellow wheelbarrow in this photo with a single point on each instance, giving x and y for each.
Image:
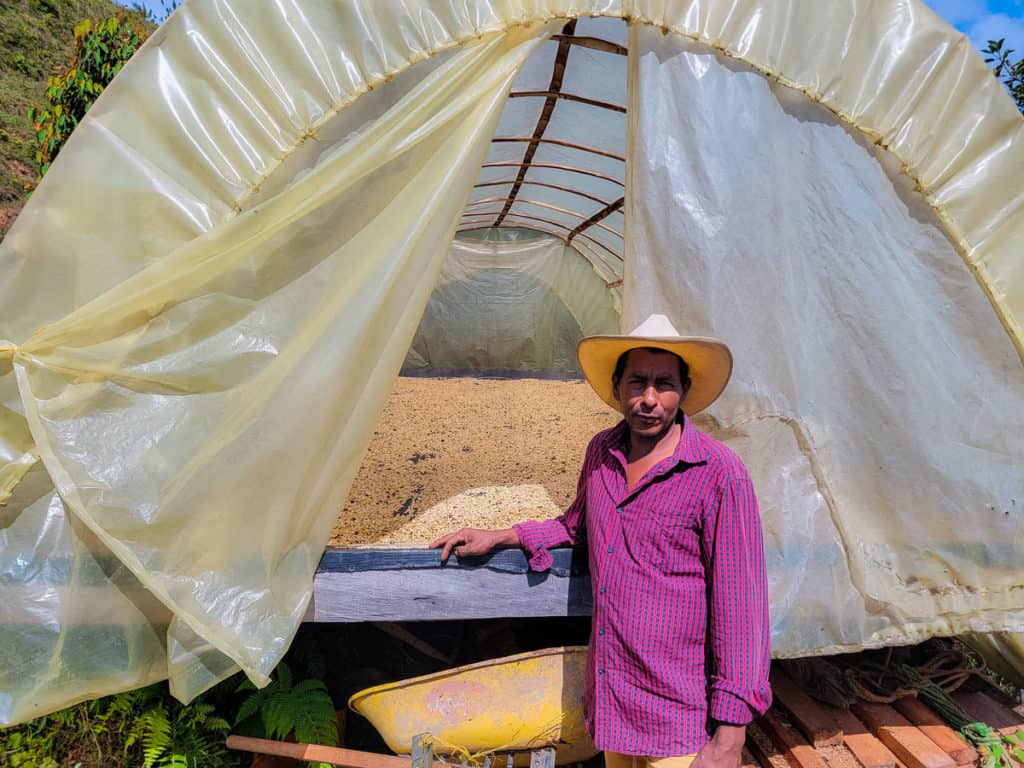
(514, 706)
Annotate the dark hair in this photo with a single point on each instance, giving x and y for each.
(620, 364)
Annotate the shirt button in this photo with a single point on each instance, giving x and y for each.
(603, 590)
(610, 550)
(600, 671)
(600, 631)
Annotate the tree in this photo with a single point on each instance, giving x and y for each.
(1007, 71)
(101, 49)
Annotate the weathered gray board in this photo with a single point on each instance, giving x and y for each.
(412, 585)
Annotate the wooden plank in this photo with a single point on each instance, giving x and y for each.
(790, 742)
(811, 717)
(936, 729)
(412, 585)
(347, 758)
(452, 594)
(905, 739)
(985, 709)
(747, 760)
(869, 751)
(763, 749)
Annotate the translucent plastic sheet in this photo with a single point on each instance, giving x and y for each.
(876, 399)
(165, 408)
(511, 300)
(204, 303)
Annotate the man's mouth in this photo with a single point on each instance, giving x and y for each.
(647, 417)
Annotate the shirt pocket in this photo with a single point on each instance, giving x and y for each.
(678, 544)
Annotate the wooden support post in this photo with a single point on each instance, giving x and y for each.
(869, 751)
(789, 741)
(934, 728)
(905, 739)
(813, 719)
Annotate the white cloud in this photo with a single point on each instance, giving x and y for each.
(958, 12)
(995, 26)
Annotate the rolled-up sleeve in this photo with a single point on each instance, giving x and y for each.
(536, 538)
(739, 633)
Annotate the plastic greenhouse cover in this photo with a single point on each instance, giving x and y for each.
(265, 195)
(512, 301)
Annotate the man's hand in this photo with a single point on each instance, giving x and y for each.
(725, 750)
(473, 541)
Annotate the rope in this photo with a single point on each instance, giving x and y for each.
(933, 682)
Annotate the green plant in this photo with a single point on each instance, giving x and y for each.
(101, 49)
(176, 736)
(284, 708)
(144, 728)
(1006, 70)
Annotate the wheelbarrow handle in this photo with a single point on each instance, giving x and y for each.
(347, 758)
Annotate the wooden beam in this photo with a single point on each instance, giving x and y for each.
(594, 43)
(869, 751)
(554, 166)
(348, 758)
(560, 143)
(814, 721)
(595, 220)
(554, 86)
(985, 709)
(906, 740)
(790, 743)
(569, 97)
(412, 585)
(763, 749)
(936, 729)
(560, 187)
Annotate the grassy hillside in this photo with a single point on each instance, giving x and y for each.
(36, 39)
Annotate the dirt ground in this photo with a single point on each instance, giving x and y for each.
(486, 453)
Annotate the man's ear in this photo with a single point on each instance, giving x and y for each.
(615, 390)
(686, 388)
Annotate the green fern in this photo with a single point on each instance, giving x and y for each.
(283, 707)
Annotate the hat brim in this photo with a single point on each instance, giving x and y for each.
(710, 364)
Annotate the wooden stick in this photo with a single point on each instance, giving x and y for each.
(812, 718)
(348, 758)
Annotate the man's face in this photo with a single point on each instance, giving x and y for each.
(650, 392)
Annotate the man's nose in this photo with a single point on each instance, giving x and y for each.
(650, 397)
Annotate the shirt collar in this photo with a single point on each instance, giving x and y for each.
(689, 449)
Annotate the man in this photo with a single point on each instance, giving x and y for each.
(679, 650)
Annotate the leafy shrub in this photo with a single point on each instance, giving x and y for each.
(144, 728)
(101, 49)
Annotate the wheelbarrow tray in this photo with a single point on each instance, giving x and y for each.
(513, 705)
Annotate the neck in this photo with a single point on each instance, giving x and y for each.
(665, 443)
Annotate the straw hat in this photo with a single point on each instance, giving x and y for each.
(710, 360)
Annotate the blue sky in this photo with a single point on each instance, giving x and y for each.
(980, 20)
(983, 20)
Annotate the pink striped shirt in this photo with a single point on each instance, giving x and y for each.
(680, 632)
